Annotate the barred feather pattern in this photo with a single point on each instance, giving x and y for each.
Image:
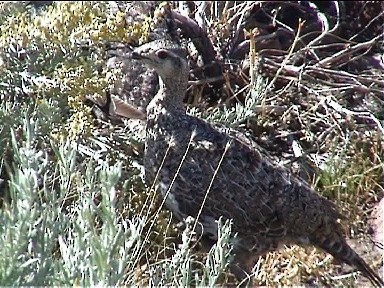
(207, 172)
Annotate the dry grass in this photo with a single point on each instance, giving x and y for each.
(319, 112)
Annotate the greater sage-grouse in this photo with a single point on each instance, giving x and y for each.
(207, 172)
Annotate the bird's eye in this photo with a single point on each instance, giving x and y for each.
(162, 54)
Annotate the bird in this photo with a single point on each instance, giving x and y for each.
(207, 171)
(112, 107)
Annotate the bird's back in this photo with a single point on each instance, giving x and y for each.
(262, 198)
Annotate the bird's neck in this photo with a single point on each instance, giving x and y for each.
(170, 96)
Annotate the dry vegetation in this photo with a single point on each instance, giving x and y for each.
(303, 81)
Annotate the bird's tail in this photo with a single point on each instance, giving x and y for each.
(340, 249)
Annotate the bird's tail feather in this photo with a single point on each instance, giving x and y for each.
(340, 249)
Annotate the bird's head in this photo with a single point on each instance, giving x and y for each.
(165, 57)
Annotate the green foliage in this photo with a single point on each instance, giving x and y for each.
(58, 53)
(353, 175)
(53, 232)
(179, 269)
(233, 116)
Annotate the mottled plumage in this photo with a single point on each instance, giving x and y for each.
(269, 206)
